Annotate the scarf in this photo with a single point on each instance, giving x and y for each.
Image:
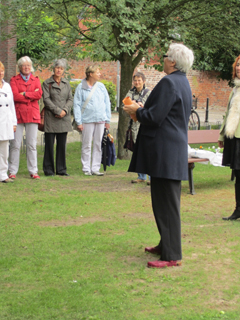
(234, 112)
(25, 78)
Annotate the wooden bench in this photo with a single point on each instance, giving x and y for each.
(199, 136)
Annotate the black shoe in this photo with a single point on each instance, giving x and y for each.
(234, 216)
(63, 174)
(49, 174)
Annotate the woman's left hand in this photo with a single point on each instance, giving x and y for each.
(131, 109)
(61, 115)
(107, 126)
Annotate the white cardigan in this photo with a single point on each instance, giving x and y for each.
(8, 117)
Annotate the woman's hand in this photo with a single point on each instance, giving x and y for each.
(107, 126)
(80, 128)
(220, 144)
(14, 128)
(131, 109)
(61, 115)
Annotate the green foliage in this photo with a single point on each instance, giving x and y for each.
(128, 30)
(111, 88)
(74, 85)
(35, 37)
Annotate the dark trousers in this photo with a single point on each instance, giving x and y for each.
(48, 160)
(166, 196)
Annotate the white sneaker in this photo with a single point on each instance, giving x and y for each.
(87, 173)
(97, 173)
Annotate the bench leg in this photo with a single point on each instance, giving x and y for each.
(191, 166)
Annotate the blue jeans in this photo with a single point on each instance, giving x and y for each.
(142, 176)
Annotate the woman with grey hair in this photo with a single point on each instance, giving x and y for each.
(58, 101)
(161, 150)
(26, 92)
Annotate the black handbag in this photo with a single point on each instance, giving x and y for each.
(129, 143)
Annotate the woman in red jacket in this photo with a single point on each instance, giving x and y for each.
(26, 92)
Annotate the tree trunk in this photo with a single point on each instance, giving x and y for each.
(127, 68)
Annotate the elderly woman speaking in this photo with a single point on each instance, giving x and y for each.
(58, 101)
(161, 150)
(92, 113)
(26, 92)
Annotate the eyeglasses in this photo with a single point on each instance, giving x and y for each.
(165, 56)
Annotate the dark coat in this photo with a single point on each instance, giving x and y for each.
(57, 98)
(162, 142)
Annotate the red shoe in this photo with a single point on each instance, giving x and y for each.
(164, 264)
(35, 176)
(153, 250)
(12, 176)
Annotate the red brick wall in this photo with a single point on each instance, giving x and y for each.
(77, 70)
(204, 84)
(7, 55)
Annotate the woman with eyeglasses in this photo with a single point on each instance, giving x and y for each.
(26, 92)
(161, 150)
(8, 124)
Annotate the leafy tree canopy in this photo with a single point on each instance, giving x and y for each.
(36, 38)
(128, 30)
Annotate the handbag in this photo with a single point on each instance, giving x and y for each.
(129, 143)
(42, 113)
(74, 124)
(41, 124)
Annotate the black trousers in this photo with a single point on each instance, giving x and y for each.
(166, 196)
(48, 160)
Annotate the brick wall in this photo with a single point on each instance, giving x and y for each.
(7, 55)
(204, 84)
(77, 70)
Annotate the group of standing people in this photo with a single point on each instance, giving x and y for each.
(161, 144)
(19, 109)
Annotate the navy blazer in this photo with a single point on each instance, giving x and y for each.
(162, 142)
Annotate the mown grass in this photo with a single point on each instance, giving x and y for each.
(73, 248)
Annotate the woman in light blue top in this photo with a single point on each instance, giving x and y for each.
(92, 112)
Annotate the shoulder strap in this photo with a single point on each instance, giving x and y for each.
(89, 97)
(145, 92)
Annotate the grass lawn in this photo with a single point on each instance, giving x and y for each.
(73, 248)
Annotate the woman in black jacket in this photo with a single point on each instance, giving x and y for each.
(161, 150)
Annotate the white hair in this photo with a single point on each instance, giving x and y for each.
(182, 55)
(23, 60)
(60, 63)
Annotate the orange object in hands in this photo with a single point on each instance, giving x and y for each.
(127, 101)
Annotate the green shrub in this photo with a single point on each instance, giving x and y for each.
(74, 85)
(112, 91)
